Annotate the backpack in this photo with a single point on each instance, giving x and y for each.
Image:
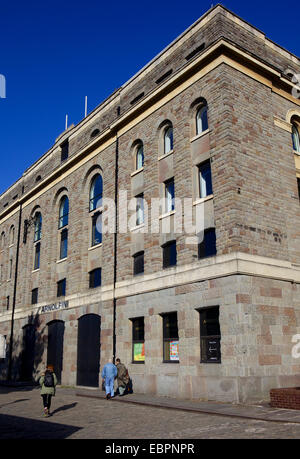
(49, 379)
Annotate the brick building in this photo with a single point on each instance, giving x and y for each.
(213, 118)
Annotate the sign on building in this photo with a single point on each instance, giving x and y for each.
(2, 347)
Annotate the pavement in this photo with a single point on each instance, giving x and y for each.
(84, 413)
(262, 412)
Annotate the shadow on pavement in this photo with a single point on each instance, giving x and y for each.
(15, 427)
(64, 408)
(15, 401)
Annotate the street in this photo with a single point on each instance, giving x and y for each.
(75, 417)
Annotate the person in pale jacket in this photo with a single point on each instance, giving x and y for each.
(109, 373)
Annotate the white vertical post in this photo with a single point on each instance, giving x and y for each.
(85, 107)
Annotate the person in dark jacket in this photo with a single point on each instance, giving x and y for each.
(122, 378)
(48, 382)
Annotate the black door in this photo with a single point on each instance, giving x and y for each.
(27, 362)
(88, 350)
(56, 346)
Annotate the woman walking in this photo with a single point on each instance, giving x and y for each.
(48, 381)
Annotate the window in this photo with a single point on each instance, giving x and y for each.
(138, 340)
(38, 227)
(37, 256)
(139, 209)
(96, 229)
(64, 150)
(205, 182)
(61, 288)
(168, 140)
(170, 195)
(296, 138)
(95, 278)
(207, 247)
(169, 254)
(63, 244)
(138, 263)
(12, 235)
(210, 335)
(170, 337)
(139, 157)
(63, 212)
(10, 268)
(201, 120)
(34, 296)
(7, 303)
(298, 183)
(96, 192)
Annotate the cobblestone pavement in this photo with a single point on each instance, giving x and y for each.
(75, 417)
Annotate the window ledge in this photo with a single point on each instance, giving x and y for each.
(198, 136)
(167, 214)
(200, 200)
(95, 246)
(61, 260)
(137, 227)
(35, 270)
(296, 152)
(165, 155)
(138, 171)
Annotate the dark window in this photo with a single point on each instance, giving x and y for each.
(37, 255)
(63, 219)
(205, 182)
(139, 209)
(138, 263)
(96, 229)
(170, 195)
(207, 247)
(64, 244)
(298, 183)
(170, 337)
(210, 335)
(95, 278)
(37, 227)
(169, 254)
(34, 296)
(61, 287)
(96, 192)
(7, 303)
(95, 132)
(138, 340)
(64, 150)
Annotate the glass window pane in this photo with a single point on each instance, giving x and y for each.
(170, 328)
(170, 195)
(140, 157)
(96, 193)
(64, 244)
(205, 181)
(201, 120)
(138, 329)
(64, 212)
(168, 140)
(97, 229)
(296, 139)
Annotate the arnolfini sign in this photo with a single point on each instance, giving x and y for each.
(53, 307)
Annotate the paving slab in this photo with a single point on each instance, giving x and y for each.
(257, 412)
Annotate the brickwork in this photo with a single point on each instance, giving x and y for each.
(288, 398)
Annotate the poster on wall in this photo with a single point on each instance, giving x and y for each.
(174, 350)
(2, 347)
(139, 352)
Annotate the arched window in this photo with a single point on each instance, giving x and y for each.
(296, 138)
(12, 235)
(96, 192)
(168, 140)
(201, 120)
(63, 212)
(37, 227)
(2, 243)
(139, 157)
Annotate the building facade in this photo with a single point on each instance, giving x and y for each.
(210, 127)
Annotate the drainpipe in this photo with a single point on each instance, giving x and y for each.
(14, 299)
(115, 249)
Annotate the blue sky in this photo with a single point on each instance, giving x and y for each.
(54, 53)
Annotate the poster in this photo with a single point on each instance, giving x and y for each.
(139, 352)
(174, 350)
